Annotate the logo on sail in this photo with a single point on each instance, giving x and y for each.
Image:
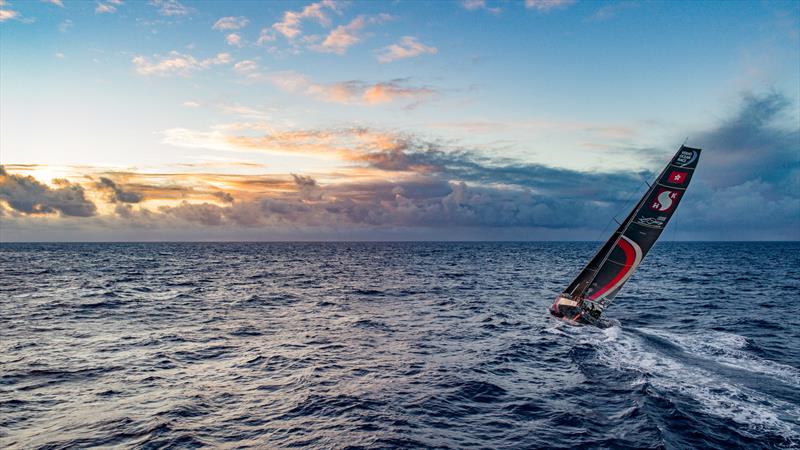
(665, 200)
(685, 158)
(653, 222)
(676, 177)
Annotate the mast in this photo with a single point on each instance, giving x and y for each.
(587, 275)
(616, 260)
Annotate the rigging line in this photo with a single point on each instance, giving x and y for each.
(629, 219)
(624, 207)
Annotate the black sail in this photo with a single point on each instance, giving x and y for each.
(612, 266)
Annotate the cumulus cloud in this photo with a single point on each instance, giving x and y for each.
(748, 180)
(55, 2)
(177, 63)
(547, 5)
(230, 23)
(290, 26)
(408, 47)
(390, 91)
(203, 213)
(349, 92)
(65, 25)
(761, 141)
(105, 8)
(6, 13)
(747, 185)
(345, 36)
(234, 39)
(223, 196)
(26, 195)
(245, 67)
(473, 5)
(266, 36)
(408, 155)
(116, 193)
(170, 7)
(609, 11)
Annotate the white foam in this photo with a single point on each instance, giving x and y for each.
(716, 395)
(728, 349)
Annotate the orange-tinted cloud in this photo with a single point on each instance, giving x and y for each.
(408, 47)
(177, 64)
(345, 36)
(351, 92)
(290, 26)
(230, 23)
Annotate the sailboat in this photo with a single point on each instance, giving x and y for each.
(595, 287)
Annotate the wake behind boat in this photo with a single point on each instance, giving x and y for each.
(593, 290)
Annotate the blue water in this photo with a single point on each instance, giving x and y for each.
(394, 345)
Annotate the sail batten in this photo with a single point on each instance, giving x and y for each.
(612, 266)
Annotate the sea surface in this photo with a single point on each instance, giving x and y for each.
(394, 345)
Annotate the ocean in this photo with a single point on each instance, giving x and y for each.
(394, 345)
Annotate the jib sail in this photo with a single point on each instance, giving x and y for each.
(607, 272)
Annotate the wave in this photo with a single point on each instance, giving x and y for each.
(676, 363)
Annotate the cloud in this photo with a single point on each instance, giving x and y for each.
(245, 67)
(547, 5)
(234, 39)
(350, 92)
(390, 91)
(473, 5)
(170, 8)
(265, 36)
(408, 47)
(59, 55)
(223, 196)
(7, 14)
(203, 213)
(307, 187)
(760, 141)
(191, 104)
(747, 186)
(609, 11)
(406, 155)
(55, 2)
(105, 8)
(26, 195)
(65, 25)
(230, 23)
(345, 36)
(177, 64)
(290, 26)
(116, 194)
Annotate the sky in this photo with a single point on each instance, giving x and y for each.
(403, 120)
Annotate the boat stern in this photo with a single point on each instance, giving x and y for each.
(574, 311)
(565, 307)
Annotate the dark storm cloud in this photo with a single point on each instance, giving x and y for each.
(414, 203)
(223, 196)
(761, 141)
(203, 213)
(26, 195)
(116, 193)
(414, 154)
(748, 182)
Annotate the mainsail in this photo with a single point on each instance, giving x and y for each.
(600, 281)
